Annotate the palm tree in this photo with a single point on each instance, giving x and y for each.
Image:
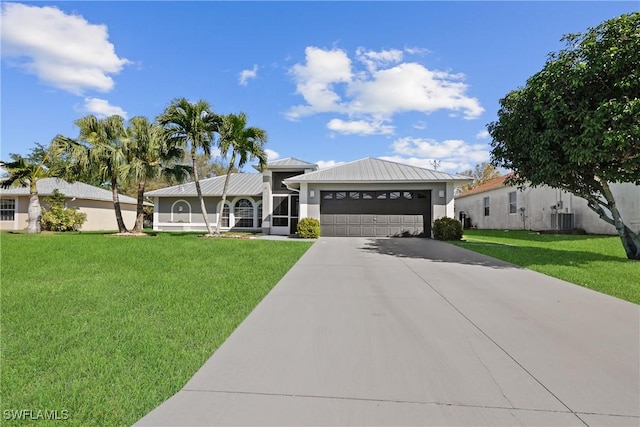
(151, 155)
(192, 126)
(100, 149)
(244, 144)
(26, 172)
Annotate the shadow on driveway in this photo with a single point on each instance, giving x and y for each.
(434, 250)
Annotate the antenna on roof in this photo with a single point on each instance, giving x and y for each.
(435, 164)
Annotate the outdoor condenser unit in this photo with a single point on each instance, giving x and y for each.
(562, 221)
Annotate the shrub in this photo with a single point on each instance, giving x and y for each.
(58, 218)
(447, 229)
(308, 228)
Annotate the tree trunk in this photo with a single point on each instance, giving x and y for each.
(116, 206)
(224, 194)
(630, 239)
(137, 228)
(34, 211)
(199, 191)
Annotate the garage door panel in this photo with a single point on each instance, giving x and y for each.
(367, 219)
(327, 230)
(395, 219)
(354, 231)
(381, 220)
(354, 219)
(340, 219)
(368, 230)
(327, 219)
(340, 230)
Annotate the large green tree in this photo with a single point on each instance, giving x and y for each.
(241, 144)
(27, 171)
(575, 125)
(151, 155)
(99, 150)
(192, 126)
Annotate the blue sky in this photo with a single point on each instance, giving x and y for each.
(330, 82)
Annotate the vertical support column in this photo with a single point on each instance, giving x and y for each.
(449, 200)
(156, 213)
(267, 202)
(304, 195)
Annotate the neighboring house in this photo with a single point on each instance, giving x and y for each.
(367, 197)
(96, 202)
(495, 205)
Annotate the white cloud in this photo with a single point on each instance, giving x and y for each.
(359, 127)
(315, 80)
(420, 124)
(329, 82)
(64, 51)
(442, 166)
(323, 164)
(483, 134)
(372, 59)
(451, 148)
(245, 75)
(272, 155)
(412, 87)
(454, 155)
(102, 108)
(416, 50)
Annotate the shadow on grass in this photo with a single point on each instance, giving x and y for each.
(535, 236)
(526, 256)
(429, 249)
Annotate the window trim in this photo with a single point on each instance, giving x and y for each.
(9, 211)
(486, 201)
(174, 204)
(513, 205)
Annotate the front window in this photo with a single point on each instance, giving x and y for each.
(512, 203)
(243, 213)
(486, 206)
(225, 216)
(7, 209)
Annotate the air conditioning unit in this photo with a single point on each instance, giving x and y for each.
(562, 221)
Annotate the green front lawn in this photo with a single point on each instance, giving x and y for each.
(595, 262)
(102, 329)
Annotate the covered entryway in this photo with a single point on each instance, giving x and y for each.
(375, 213)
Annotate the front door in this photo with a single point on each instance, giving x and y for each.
(285, 214)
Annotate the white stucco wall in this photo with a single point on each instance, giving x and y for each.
(537, 212)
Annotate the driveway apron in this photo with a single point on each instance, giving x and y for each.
(408, 331)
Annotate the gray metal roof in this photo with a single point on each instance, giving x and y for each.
(375, 171)
(79, 190)
(291, 162)
(240, 184)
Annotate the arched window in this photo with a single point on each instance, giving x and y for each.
(243, 214)
(225, 216)
(181, 211)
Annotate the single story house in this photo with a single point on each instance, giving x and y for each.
(367, 197)
(96, 202)
(495, 205)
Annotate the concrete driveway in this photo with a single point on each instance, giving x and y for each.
(365, 331)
